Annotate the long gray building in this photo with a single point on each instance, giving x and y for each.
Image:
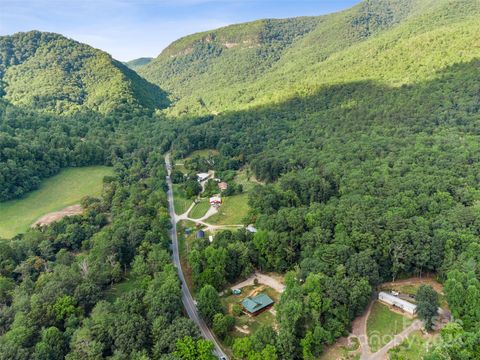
(396, 301)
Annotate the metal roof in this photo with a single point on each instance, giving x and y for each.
(259, 302)
(394, 300)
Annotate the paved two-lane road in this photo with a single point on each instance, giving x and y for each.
(187, 298)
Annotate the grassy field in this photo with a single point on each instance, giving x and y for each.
(200, 209)
(410, 286)
(180, 163)
(121, 288)
(383, 324)
(180, 200)
(247, 179)
(66, 188)
(202, 153)
(232, 212)
(179, 166)
(415, 347)
(342, 350)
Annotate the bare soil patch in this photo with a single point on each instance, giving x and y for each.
(58, 215)
(415, 282)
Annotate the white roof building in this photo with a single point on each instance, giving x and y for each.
(251, 228)
(393, 300)
(215, 200)
(202, 176)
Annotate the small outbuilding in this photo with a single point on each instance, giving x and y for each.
(251, 228)
(255, 305)
(222, 186)
(200, 234)
(393, 300)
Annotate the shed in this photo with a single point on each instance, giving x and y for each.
(200, 234)
(393, 300)
(257, 304)
(251, 228)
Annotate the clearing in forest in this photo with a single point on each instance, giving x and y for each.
(383, 324)
(56, 193)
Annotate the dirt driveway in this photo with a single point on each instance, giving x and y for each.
(58, 215)
(416, 282)
(264, 279)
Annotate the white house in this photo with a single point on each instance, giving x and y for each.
(393, 300)
(202, 176)
(215, 200)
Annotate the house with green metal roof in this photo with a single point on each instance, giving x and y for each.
(257, 304)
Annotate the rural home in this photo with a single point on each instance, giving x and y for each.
(393, 300)
(255, 305)
(223, 186)
(215, 200)
(202, 176)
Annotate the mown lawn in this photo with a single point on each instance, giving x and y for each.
(383, 324)
(415, 347)
(200, 209)
(232, 212)
(180, 200)
(66, 188)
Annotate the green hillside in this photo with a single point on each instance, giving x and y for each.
(365, 131)
(358, 131)
(237, 67)
(138, 63)
(50, 72)
(221, 59)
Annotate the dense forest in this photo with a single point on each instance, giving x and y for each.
(369, 167)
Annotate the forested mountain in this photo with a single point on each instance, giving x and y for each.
(63, 104)
(241, 66)
(362, 125)
(138, 63)
(50, 72)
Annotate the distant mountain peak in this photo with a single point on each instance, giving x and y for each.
(50, 72)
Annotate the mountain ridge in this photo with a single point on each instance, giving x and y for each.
(204, 75)
(48, 71)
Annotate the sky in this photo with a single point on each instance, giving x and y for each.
(129, 29)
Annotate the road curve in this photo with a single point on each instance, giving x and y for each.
(187, 298)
